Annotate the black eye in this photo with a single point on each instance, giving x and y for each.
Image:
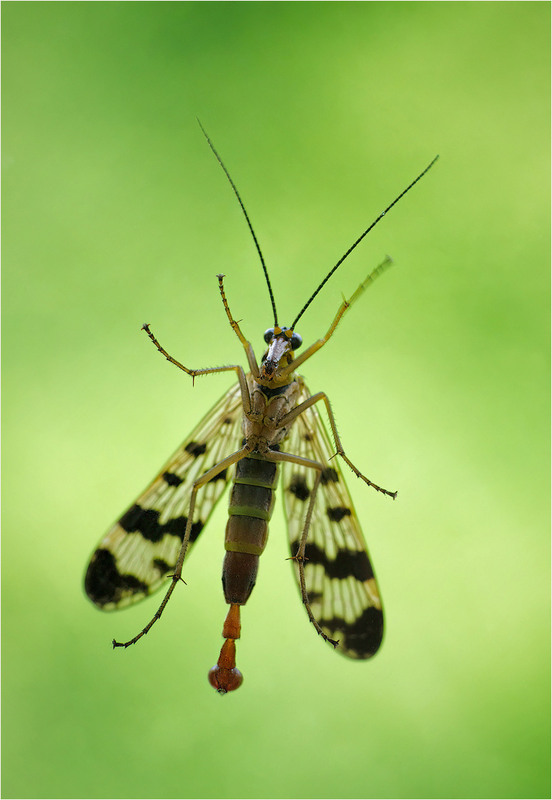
(296, 341)
(268, 334)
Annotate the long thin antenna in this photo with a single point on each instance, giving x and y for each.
(233, 185)
(358, 241)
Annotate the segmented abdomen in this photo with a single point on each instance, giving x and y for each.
(250, 509)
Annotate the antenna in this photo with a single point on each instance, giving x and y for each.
(233, 185)
(358, 241)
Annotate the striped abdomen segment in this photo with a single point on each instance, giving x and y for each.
(250, 509)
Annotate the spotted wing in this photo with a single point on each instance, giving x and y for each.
(142, 547)
(340, 582)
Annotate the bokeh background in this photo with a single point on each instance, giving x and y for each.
(116, 213)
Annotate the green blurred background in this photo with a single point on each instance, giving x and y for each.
(116, 213)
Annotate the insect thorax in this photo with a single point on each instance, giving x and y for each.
(269, 405)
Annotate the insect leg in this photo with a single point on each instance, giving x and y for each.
(288, 419)
(177, 575)
(346, 304)
(208, 370)
(251, 359)
(299, 557)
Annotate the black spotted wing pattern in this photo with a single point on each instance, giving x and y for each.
(142, 547)
(340, 581)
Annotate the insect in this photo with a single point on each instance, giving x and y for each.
(267, 423)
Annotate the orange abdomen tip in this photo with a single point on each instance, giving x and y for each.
(225, 676)
(232, 625)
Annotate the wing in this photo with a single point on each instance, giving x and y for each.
(340, 581)
(142, 547)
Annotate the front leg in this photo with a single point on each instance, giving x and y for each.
(345, 305)
(251, 360)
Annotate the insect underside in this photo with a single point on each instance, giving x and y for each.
(266, 424)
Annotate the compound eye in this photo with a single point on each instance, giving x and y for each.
(268, 335)
(296, 341)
